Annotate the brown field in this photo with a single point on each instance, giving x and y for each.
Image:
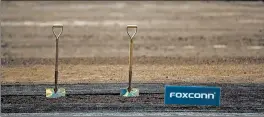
(94, 44)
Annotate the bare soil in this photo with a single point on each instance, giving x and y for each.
(147, 70)
(234, 99)
(165, 28)
(94, 44)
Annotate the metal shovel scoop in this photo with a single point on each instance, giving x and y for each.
(56, 92)
(130, 92)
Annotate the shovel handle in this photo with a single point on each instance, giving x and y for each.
(132, 26)
(57, 26)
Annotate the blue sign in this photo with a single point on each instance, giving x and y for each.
(192, 95)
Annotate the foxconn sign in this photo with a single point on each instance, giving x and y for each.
(192, 95)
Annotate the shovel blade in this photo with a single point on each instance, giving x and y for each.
(133, 93)
(50, 93)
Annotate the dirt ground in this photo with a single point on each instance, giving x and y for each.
(147, 70)
(95, 41)
(235, 98)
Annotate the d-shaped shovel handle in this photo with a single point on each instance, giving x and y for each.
(57, 26)
(132, 26)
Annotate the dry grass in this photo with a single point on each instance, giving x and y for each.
(232, 73)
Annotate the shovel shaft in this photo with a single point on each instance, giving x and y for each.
(130, 64)
(56, 63)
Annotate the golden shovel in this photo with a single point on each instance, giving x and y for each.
(130, 92)
(55, 92)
